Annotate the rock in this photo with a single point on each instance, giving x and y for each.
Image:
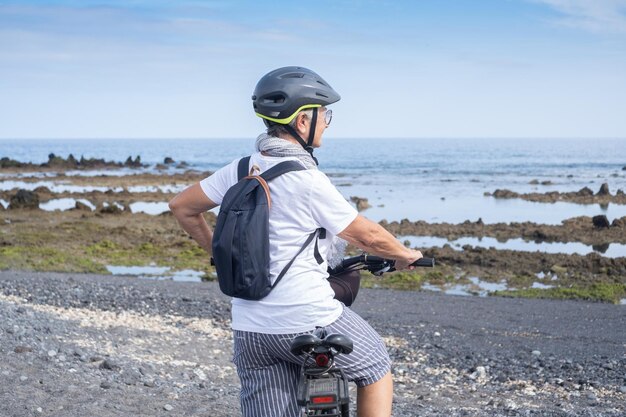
(502, 378)
(601, 247)
(200, 374)
(504, 194)
(10, 163)
(604, 189)
(624, 168)
(56, 161)
(146, 369)
(600, 221)
(133, 163)
(536, 353)
(81, 206)
(361, 203)
(168, 160)
(559, 270)
(622, 389)
(109, 365)
(23, 378)
(479, 374)
(585, 191)
(24, 199)
(52, 353)
(621, 222)
(22, 349)
(105, 385)
(546, 182)
(42, 190)
(534, 182)
(168, 407)
(111, 209)
(509, 404)
(131, 377)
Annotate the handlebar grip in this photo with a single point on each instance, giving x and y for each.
(425, 262)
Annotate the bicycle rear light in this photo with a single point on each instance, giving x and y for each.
(324, 400)
(321, 360)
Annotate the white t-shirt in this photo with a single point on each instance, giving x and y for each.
(302, 201)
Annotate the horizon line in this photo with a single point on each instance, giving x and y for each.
(327, 138)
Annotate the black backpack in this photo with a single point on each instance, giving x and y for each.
(241, 236)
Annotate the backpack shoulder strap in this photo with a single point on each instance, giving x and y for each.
(242, 168)
(306, 243)
(281, 169)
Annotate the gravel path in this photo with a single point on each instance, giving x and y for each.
(87, 345)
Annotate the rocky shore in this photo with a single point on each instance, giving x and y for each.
(583, 196)
(57, 163)
(90, 345)
(579, 229)
(102, 229)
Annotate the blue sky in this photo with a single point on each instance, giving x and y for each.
(422, 68)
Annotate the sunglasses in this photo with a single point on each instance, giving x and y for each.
(328, 116)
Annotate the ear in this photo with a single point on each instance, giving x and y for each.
(301, 123)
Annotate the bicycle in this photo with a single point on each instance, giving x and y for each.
(323, 387)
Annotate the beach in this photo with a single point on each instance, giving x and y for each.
(83, 344)
(107, 305)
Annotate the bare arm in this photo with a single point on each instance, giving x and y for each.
(188, 207)
(373, 238)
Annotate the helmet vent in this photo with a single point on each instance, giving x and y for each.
(276, 99)
(320, 94)
(293, 75)
(321, 82)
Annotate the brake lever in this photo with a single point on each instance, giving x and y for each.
(383, 268)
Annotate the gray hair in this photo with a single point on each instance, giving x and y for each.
(278, 130)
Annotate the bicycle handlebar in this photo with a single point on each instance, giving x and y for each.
(425, 262)
(375, 264)
(372, 263)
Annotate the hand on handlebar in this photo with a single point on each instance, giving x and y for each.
(406, 262)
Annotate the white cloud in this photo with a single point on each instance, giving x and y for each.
(599, 16)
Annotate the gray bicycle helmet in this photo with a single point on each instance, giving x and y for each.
(281, 94)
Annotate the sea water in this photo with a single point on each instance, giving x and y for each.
(437, 180)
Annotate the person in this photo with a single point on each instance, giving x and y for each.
(293, 103)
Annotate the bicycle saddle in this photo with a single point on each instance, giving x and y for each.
(339, 342)
(304, 343)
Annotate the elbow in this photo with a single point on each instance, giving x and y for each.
(175, 206)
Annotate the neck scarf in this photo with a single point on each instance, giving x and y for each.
(273, 146)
